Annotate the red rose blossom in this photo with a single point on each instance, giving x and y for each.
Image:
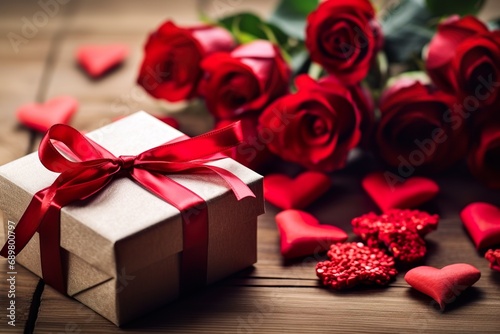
(362, 98)
(484, 157)
(419, 128)
(171, 69)
(464, 60)
(315, 127)
(245, 80)
(343, 37)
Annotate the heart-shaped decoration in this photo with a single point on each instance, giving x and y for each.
(389, 193)
(443, 285)
(353, 263)
(494, 257)
(287, 193)
(42, 116)
(302, 234)
(400, 231)
(98, 59)
(482, 221)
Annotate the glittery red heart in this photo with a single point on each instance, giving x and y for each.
(401, 231)
(402, 195)
(445, 284)
(302, 234)
(42, 116)
(98, 59)
(286, 193)
(482, 221)
(354, 263)
(494, 257)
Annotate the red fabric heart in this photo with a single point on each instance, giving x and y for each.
(388, 194)
(42, 116)
(98, 59)
(445, 284)
(354, 263)
(482, 221)
(401, 231)
(286, 193)
(302, 234)
(494, 257)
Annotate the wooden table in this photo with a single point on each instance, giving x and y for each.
(273, 296)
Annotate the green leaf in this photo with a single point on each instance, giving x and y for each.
(406, 30)
(245, 27)
(291, 16)
(450, 7)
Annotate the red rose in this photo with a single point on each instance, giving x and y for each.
(171, 69)
(245, 80)
(419, 128)
(484, 157)
(315, 127)
(464, 60)
(344, 38)
(364, 102)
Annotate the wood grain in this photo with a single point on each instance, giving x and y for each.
(272, 297)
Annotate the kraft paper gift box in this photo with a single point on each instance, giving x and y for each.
(122, 248)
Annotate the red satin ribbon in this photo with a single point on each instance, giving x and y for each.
(93, 167)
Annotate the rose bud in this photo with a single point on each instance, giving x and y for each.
(171, 69)
(315, 127)
(343, 37)
(245, 80)
(464, 60)
(484, 157)
(419, 128)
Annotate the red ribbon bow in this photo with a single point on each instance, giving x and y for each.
(93, 167)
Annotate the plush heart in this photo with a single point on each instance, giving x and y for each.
(98, 59)
(445, 284)
(353, 263)
(298, 193)
(482, 221)
(389, 194)
(42, 116)
(302, 234)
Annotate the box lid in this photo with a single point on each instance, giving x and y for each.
(124, 216)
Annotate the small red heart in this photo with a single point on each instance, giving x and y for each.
(390, 194)
(482, 221)
(302, 234)
(42, 116)
(353, 263)
(286, 193)
(445, 284)
(98, 59)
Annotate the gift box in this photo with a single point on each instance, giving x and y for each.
(124, 250)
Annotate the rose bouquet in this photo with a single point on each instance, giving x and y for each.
(317, 80)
